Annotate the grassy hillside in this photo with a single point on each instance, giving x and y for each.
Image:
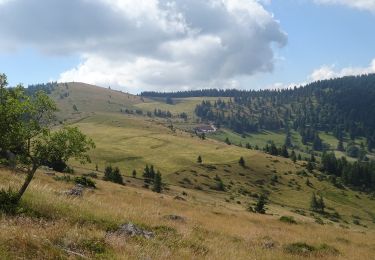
(61, 227)
(76, 100)
(211, 198)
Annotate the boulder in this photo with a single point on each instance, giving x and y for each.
(131, 230)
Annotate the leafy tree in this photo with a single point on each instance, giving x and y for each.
(199, 160)
(157, 182)
(241, 162)
(25, 131)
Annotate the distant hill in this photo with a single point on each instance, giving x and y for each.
(76, 99)
(344, 106)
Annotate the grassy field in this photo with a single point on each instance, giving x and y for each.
(60, 227)
(132, 142)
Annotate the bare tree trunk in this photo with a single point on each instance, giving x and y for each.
(30, 176)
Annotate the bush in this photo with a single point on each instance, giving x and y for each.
(288, 219)
(85, 181)
(300, 248)
(8, 201)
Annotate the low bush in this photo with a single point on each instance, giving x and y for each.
(85, 181)
(288, 219)
(8, 201)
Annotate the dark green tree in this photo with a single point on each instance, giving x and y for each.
(199, 160)
(241, 162)
(260, 205)
(157, 183)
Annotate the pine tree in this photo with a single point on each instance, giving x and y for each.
(260, 205)
(157, 183)
(134, 173)
(310, 166)
(96, 167)
(199, 160)
(146, 175)
(340, 145)
(288, 140)
(284, 152)
(293, 156)
(321, 204)
(242, 162)
(314, 205)
(299, 157)
(227, 141)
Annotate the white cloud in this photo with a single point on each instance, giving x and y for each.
(160, 44)
(367, 5)
(329, 72)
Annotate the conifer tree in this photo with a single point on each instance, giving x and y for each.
(293, 156)
(314, 205)
(157, 182)
(199, 160)
(242, 162)
(134, 173)
(260, 205)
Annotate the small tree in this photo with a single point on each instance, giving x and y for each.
(310, 166)
(199, 160)
(241, 162)
(284, 152)
(321, 204)
(314, 204)
(293, 156)
(134, 173)
(227, 141)
(260, 205)
(157, 183)
(25, 131)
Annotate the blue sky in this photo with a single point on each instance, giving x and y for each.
(156, 46)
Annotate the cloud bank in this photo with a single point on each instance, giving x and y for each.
(329, 71)
(366, 5)
(150, 44)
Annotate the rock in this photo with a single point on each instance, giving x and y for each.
(132, 230)
(179, 198)
(76, 191)
(175, 218)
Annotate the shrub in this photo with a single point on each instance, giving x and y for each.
(288, 219)
(85, 181)
(8, 201)
(300, 248)
(92, 175)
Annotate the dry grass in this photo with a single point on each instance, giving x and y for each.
(213, 229)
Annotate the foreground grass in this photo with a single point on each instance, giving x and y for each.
(54, 226)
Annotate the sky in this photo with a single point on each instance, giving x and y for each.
(171, 45)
